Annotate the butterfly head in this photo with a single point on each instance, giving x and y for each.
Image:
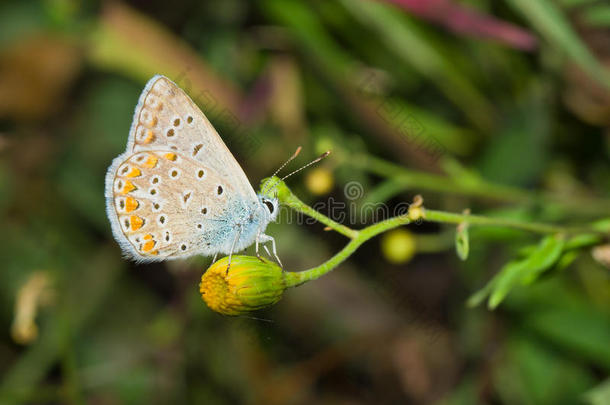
(269, 204)
(273, 186)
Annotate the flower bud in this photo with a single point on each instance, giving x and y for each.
(250, 284)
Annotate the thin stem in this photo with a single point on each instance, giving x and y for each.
(452, 218)
(288, 199)
(297, 278)
(416, 212)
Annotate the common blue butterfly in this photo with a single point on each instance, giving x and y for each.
(177, 191)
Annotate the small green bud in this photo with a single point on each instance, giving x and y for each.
(462, 241)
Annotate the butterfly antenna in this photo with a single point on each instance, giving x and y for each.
(316, 160)
(290, 159)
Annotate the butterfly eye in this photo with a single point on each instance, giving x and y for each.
(269, 205)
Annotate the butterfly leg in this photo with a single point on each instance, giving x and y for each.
(233, 247)
(256, 247)
(266, 238)
(258, 241)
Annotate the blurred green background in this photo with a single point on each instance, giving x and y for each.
(513, 92)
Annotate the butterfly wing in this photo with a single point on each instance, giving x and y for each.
(166, 118)
(174, 191)
(164, 205)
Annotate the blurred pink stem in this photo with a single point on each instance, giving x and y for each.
(462, 20)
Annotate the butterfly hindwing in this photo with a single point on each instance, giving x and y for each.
(165, 205)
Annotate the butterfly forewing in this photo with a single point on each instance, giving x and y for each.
(175, 182)
(167, 118)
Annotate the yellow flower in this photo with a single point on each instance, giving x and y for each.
(398, 246)
(250, 284)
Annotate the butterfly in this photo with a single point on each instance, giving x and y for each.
(177, 191)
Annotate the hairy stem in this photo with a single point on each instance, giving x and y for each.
(288, 199)
(416, 212)
(298, 278)
(452, 218)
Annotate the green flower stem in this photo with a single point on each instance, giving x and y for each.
(294, 279)
(358, 237)
(473, 188)
(288, 199)
(451, 218)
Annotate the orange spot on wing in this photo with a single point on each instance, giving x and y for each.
(134, 172)
(148, 246)
(149, 136)
(151, 161)
(154, 252)
(152, 122)
(170, 156)
(147, 237)
(128, 187)
(136, 222)
(131, 204)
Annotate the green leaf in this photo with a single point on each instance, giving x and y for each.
(544, 257)
(508, 277)
(566, 259)
(571, 249)
(527, 270)
(582, 240)
(462, 244)
(478, 297)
